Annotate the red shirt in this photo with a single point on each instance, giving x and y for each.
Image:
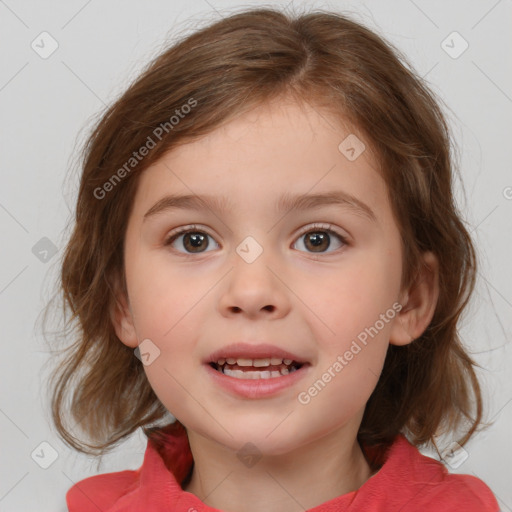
(407, 482)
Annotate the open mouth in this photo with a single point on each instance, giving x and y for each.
(265, 368)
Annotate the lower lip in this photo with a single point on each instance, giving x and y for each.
(257, 388)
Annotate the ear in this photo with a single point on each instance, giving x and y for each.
(418, 303)
(122, 317)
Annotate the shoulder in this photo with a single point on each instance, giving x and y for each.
(136, 488)
(101, 490)
(415, 482)
(446, 491)
(462, 492)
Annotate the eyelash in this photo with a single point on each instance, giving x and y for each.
(311, 228)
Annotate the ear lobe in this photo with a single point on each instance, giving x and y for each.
(122, 318)
(419, 303)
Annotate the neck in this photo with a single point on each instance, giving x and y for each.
(313, 474)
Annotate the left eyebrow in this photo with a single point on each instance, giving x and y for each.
(287, 202)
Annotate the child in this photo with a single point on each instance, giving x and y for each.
(267, 247)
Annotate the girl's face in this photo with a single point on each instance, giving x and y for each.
(320, 282)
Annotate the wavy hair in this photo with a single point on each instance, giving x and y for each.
(228, 67)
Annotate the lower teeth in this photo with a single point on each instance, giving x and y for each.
(240, 374)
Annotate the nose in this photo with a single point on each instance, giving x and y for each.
(255, 290)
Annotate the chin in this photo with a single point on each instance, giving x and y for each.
(269, 437)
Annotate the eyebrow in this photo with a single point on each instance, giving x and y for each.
(287, 202)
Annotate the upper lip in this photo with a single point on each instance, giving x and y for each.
(252, 351)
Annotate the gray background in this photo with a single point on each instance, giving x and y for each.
(49, 104)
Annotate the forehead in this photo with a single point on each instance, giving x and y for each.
(270, 154)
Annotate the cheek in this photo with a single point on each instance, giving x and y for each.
(166, 306)
(163, 295)
(172, 388)
(353, 297)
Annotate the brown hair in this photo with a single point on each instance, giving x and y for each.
(227, 68)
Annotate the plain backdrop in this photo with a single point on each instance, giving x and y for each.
(48, 104)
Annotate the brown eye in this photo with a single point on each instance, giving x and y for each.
(194, 241)
(190, 241)
(319, 240)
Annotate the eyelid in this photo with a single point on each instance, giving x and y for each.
(183, 229)
(302, 231)
(325, 227)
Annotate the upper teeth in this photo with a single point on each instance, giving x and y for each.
(254, 362)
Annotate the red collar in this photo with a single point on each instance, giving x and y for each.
(406, 477)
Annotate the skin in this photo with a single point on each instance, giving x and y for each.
(189, 306)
